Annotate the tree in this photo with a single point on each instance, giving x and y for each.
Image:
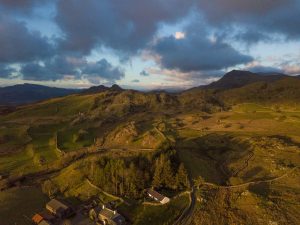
(50, 188)
(168, 175)
(198, 181)
(182, 177)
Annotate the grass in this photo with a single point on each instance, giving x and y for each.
(18, 205)
(199, 166)
(70, 140)
(162, 214)
(13, 137)
(28, 160)
(205, 142)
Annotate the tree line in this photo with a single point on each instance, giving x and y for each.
(130, 176)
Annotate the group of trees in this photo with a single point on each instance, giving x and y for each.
(130, 176)
(119, 177)
(125, 176)
(166, 175)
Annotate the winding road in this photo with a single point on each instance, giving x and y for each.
(186, 216)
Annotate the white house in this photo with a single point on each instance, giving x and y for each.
(157, 196)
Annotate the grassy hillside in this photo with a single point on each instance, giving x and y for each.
(284, 91)
(240, 146)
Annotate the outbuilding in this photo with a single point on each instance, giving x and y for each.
(157, 196)
(59, 209)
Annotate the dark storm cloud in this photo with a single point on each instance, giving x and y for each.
(18, 4)
(197, 53)
(60, 67)
(18, 44)
(129, 26)
(253, 36)
(6, 71)
(104, 70)
(122, 26)
(65, 65)
(35, 71)
(269, 16)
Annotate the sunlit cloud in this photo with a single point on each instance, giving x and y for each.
(179, 35)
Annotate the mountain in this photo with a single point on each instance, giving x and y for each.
(101, 88)
(238, 78)
(29, 93)
(285, 91)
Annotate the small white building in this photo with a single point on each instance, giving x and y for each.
(157, 196)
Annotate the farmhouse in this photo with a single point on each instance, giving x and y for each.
(157, 196)
(58, 209)
(106, 216)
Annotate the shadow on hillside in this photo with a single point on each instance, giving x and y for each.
(215, 153)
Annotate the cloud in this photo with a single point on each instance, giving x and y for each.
(18, 44)
(179, 35)
(17, 3)
(144, 73)
(20, 5)
(124, 27)
(196, 52)
(37, 72)
(291, 68)
(135, 81)
(66, 68)
(104, 70)
(264, 69)
(186, 79)
(271, 16)
(252, 36)
(6, 71)
(129, 28)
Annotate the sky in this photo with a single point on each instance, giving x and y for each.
(153, 44)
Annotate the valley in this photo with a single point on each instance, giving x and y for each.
(222, 156)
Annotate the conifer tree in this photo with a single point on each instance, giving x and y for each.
(182, 177)
(168, 175)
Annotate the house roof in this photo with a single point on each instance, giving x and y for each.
(112, 215)
(108, 213)
(155, 194)
(56, 205)
(37, 218)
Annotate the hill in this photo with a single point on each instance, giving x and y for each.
(238, 145)
(29, 93)
(238, 78)
(101, 88)
(282, 91)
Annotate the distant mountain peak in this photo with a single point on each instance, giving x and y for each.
(29, 93)
(240, 78)
(116, 87)
(101, 88)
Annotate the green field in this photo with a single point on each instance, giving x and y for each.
(219, 146)
(18, 205)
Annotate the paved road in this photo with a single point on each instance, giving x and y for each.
(187, 214)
